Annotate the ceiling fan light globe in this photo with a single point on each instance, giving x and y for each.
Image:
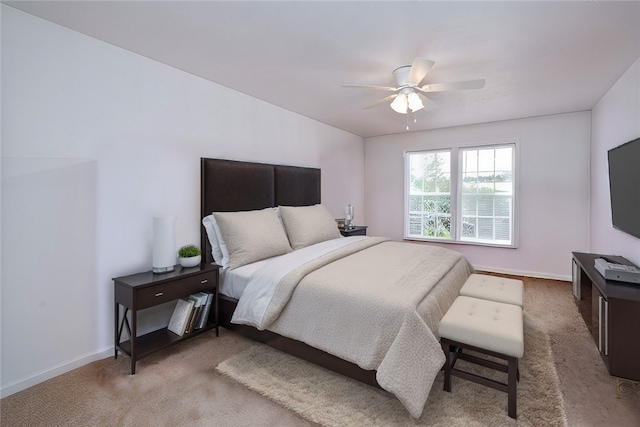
(400, 104)
(414, 102)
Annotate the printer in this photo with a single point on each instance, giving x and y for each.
(612, 270)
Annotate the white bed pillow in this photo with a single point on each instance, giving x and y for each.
(307, 225)
(218, 246)
(250, 236)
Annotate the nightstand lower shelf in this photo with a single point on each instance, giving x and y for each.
(157, 340)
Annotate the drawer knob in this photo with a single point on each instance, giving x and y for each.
(204, 281)
(159, 294)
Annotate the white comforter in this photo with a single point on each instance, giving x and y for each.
(259, 291)
(370, 301)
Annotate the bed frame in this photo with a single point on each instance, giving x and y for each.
(228, 186)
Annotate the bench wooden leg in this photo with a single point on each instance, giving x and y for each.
(513, 375)
(511, 368)
(446, 347)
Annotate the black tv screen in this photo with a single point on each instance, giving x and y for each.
(624, 183)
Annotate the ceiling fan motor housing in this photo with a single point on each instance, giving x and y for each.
(401, 74)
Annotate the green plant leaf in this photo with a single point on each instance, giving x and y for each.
(189, 251)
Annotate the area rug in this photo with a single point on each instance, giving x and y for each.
(330, 399)
(628, 390)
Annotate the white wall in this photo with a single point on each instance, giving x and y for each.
(615, 120)
(552, 197)
(95, 142)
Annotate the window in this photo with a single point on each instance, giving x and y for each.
(430, 194)
(471, 200)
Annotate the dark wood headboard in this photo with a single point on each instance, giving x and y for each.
(230, 185)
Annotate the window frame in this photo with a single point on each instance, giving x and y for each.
(456, 172)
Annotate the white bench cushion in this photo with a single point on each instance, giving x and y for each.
(485, 324)
(493, 288)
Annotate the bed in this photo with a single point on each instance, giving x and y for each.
(365, 307)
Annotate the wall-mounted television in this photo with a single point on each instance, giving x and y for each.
(624, 183)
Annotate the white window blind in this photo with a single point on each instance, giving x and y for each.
(487, 195)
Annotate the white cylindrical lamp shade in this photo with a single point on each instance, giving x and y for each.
(164, 243)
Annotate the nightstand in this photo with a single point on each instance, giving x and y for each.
(143, 290)
(358, 230)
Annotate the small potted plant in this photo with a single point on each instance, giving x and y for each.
(189, 256)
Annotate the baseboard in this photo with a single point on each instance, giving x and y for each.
(534, 274)
(46, 374)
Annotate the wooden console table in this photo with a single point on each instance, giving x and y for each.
(144, 290)
(611, 311)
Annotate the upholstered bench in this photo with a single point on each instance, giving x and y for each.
(493, 288)
(486, 327)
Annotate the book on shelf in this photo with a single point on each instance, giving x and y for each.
(199, 301)
(204, 313)
(180, 317)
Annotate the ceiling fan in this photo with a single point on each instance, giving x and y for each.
(409, 94)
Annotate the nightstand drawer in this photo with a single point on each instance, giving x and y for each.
(154, 295)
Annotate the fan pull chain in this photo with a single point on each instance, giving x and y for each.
(415, 119)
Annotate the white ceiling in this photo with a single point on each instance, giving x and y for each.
(537, 57)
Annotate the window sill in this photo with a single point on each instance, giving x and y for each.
(458, 242)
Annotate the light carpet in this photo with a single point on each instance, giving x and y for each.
(330, 399)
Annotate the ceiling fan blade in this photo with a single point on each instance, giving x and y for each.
(442, 87)
(429, 105)
(419, 68)
(381, 101)
(373, 87)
